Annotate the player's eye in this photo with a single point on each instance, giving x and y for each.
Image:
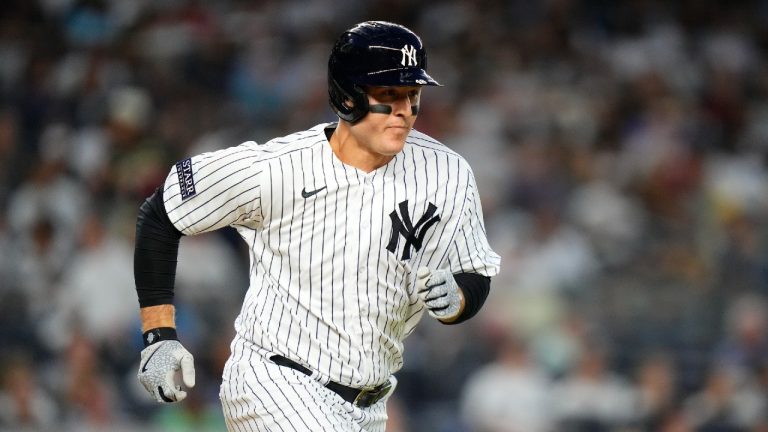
(394, 94)
(390, 94)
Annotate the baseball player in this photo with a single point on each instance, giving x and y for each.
(355, 228)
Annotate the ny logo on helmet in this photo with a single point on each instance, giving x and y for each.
(409, 56)
(413, 234)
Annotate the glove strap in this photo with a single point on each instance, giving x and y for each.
(158, 334)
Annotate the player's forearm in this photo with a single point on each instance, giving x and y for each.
(158, 316)
(155, 254)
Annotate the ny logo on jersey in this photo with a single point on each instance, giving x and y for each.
(409, 56)
(414, 235)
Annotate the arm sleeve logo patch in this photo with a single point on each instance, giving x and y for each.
(186, 179)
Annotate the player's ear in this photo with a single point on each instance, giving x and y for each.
(348, 103)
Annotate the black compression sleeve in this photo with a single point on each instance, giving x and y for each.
(156, 252)
(475, 288)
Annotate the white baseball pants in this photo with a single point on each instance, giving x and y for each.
(258, 395)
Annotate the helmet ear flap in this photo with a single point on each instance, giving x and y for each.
(350, 105)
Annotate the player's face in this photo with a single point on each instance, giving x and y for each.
(385, 134)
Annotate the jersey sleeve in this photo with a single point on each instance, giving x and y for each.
(470, 251)
(214, 190)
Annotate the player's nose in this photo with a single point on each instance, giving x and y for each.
(402, 107)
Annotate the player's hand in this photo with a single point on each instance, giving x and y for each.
(440, 293)
(159, 363)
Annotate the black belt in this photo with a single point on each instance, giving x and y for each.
(360, 397)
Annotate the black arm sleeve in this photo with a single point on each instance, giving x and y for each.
(475, 288)
(156, 252)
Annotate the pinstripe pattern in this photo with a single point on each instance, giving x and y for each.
(267, 397)
(324, 289)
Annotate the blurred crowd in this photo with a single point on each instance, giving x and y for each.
(620, 147)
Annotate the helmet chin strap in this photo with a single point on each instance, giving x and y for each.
(387, 109)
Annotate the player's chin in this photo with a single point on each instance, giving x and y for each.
(390, 148)
(392, 145)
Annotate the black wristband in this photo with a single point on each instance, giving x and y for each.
(158, 334)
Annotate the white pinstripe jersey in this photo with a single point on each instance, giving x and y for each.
(333, 249)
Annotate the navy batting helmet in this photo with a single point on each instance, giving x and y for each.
(373, 53)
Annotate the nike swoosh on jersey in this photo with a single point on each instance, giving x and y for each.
(306, 194)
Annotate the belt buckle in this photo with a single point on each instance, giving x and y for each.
(369, 396)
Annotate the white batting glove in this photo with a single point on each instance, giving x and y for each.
(159, 363)
(440, 293)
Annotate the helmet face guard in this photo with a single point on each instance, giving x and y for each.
(373, 53)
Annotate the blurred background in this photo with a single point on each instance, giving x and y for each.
(620, 148)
